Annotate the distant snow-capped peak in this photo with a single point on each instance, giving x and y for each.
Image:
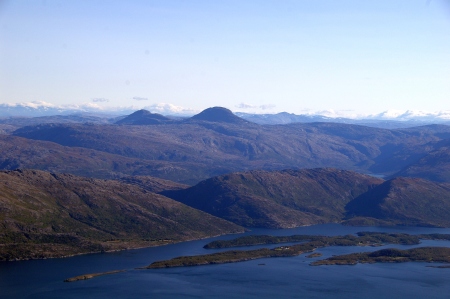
(411, 115)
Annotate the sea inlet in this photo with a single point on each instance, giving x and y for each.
(283, 277)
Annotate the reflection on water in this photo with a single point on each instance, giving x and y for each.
(264, 278)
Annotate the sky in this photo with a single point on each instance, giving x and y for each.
(258, 56)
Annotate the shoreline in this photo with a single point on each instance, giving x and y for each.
(118, 250)
(315, 242)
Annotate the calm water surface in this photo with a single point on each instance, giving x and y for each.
(278, 278)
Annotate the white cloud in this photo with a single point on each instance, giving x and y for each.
(34, 105)
(167, 108)
(100, 100)
(140, 99)
(245, 106)
(411, 114)
(255, 108)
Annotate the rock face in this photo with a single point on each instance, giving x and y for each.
(47, 215)
(277, 199)
(144, 117)
(406, 201)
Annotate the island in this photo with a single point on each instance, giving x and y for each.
(92, 275)
(310, 243)
(391, 255)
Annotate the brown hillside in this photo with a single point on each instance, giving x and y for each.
(277, 199)
(18, 152)
(45, 215)
(406, 201)
(434, 166)
(211, 148)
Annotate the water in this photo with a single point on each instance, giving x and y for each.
(291, 277)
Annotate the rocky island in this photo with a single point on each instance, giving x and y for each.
(311, 243)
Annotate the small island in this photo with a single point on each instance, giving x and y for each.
(92, 275)
(310, 243)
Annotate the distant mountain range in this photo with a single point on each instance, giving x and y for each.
(216, 141)
(382, 120)
(72, 113)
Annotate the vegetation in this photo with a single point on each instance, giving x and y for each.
(53, 215)
(433, 166)
(314, 242)
(256, 240)
(391, 255)
(25, 153)
(277, 199)
(406, 201)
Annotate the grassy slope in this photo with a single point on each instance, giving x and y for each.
(407, 201)
(278, 198)
(39, 210)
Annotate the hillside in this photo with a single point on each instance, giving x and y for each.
(18, 152)
(406, 201)
(50, 215)
(216, 142)
(277, 199)
(434, 166)
(152, 184)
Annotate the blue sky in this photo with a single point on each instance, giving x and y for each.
(252, 56)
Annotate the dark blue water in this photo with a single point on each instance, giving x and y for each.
(291, 277)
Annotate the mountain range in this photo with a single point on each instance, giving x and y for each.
(75, 185)
(216, 141)
(386, 119)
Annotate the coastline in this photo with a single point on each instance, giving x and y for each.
(138, 245)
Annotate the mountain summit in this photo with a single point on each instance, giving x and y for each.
(143, 117)
(218, 114)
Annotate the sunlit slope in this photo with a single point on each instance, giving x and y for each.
(44, 214)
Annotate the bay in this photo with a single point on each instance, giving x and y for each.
(290, 277)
